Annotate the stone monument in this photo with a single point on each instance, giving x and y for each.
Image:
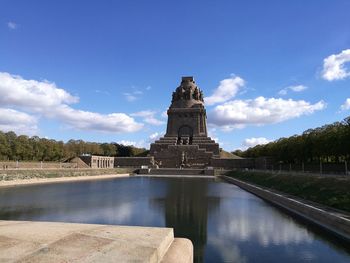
(186, 142)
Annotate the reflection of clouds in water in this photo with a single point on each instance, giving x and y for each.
(261, 223)
(228, 253)
(121, 213)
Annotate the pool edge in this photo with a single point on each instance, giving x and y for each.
(333, 222)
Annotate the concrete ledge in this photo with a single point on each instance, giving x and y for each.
(175, 176)
(181, 250)
(23, 241)
(337, 222)
(176, 171)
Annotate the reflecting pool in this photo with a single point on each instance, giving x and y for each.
(225, 223)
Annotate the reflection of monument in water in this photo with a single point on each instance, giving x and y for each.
(186, 142)
(187, 206)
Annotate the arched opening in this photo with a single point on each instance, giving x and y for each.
(184, 135)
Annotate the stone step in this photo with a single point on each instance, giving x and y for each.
(26, 241)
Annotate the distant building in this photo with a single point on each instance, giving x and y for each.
(95, 161)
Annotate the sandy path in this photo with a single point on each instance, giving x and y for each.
(19, 182)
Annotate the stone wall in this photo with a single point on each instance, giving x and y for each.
(173, 155)
(232, 163)
(133, 161)
(4, 165)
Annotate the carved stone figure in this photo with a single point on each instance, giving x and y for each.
(201, 96)
(196, 94)
(188, 94)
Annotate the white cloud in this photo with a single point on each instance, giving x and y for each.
(36, 95)
(260, 111)
(283, 92)
(227, 89)
(148, 117)
(139, 144)
(85, 120)
(135, 93)
(346, 105)
(154, 136)
(296, 88)
(46, 99)
(12, 25)
(19, 122)
(127, 143)
(212, 134)
(130, 96)
(164, 114)
(102, 92)
(251, 142)
(333, 66)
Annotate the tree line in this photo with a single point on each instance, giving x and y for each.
(329, 143)
(24, 148)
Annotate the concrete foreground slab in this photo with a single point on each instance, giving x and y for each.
(24, 241)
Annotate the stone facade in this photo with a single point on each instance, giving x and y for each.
(133, 161)
(95, 161)
(185, 143)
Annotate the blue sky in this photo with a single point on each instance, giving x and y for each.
(104, 70)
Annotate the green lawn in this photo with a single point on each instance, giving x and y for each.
(330, 191)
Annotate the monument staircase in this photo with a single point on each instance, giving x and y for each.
(168, 153)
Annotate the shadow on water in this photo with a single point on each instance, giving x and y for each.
(225, 223)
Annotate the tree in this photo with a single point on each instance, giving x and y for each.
(329, 143)
(4, 147)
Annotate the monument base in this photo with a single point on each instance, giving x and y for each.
(177, 171)
(167, 152)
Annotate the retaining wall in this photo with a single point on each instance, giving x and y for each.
(34, 165)
(232, 163)
(132, 161)
(337, 222)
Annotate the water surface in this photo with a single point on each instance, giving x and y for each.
(225, 223)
